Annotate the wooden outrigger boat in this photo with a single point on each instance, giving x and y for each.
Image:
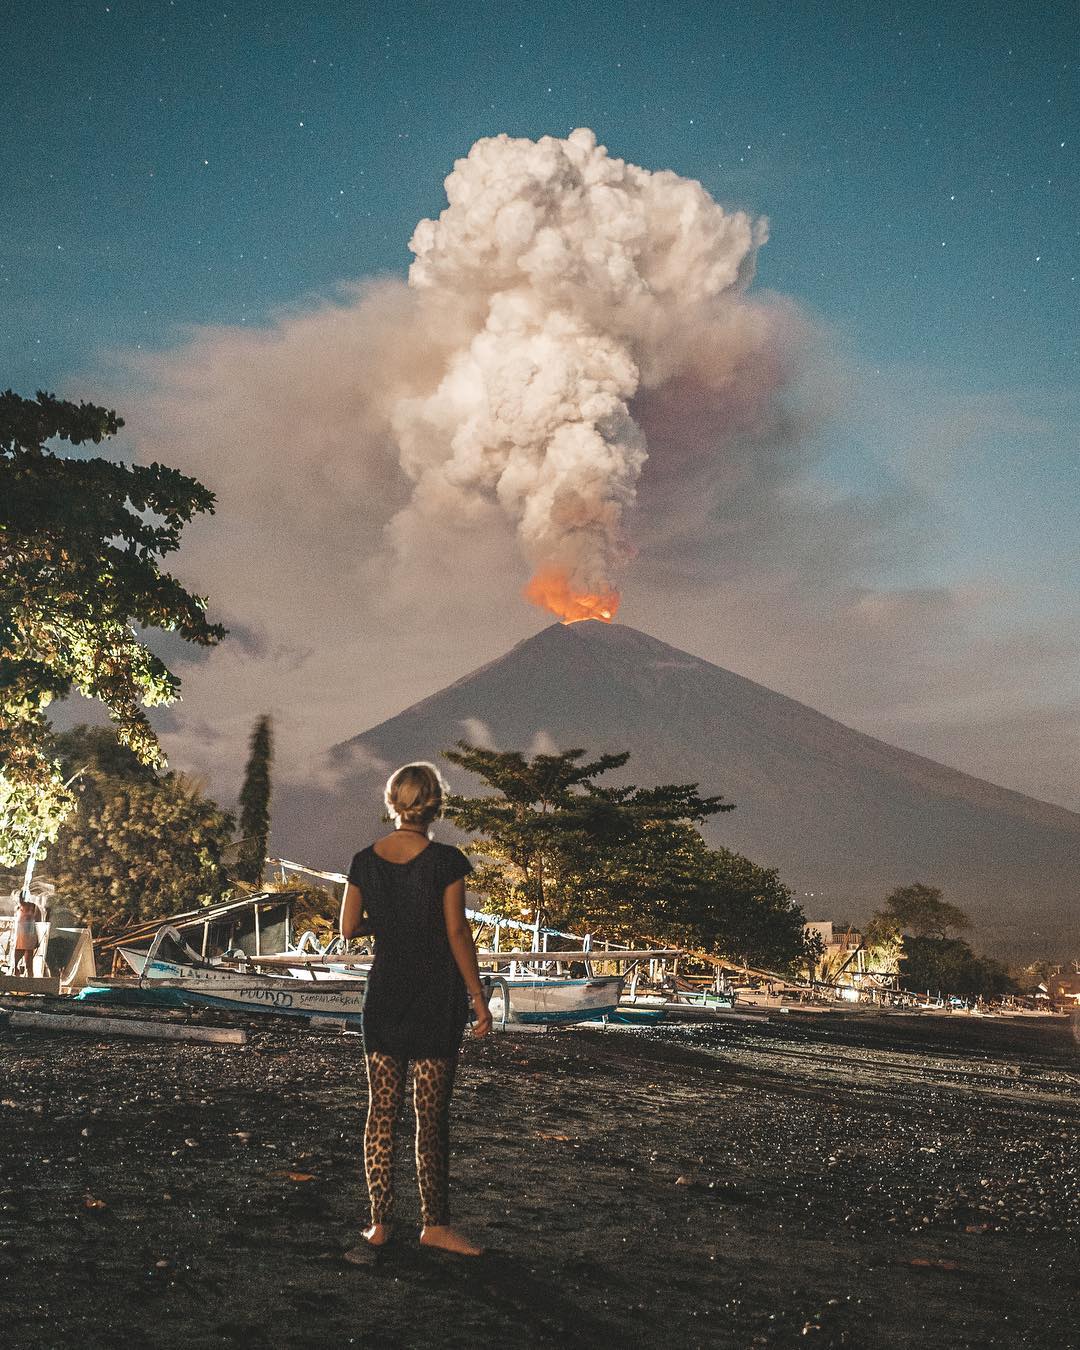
(530, 993)
(173, 974)
(529, 998)
(541, 986)
(546, 1000)
(309, 984)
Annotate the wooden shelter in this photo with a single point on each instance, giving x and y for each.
(254, 924)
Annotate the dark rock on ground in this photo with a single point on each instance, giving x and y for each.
(872, 1182)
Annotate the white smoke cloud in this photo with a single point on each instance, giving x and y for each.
(578, 281)
(561, 292)
(477, 732)
(543, 744)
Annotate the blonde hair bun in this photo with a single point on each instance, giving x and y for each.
(414, 793)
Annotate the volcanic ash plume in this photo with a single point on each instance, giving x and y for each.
(563, 283)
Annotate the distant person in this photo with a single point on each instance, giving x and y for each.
(409, 892)
(27, 917)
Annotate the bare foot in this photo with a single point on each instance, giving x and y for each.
(378, 1235)
(448, 1239)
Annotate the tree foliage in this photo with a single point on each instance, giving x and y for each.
(81, 541)
(626, 861)
(140, 844)
(738, 909)
(916, 919)
(948, 966)
(255, 806)
(884, 944)
(920, 910)
(915, 922)
(1033, 977)
(549, 819)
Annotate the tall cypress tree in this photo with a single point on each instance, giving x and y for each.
(255, 805)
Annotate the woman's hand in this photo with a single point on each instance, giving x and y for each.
(481, 1013)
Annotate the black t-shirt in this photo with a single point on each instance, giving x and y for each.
(416, 1005)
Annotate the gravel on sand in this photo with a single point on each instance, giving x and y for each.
(866, 1181)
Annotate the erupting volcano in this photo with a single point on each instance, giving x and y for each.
(551, 590)
(833, 809)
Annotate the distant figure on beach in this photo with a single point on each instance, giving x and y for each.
(409, 892)
(27, 916)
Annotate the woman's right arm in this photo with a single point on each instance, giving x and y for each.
(351, 923)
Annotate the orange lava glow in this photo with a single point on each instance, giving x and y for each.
(550, 589)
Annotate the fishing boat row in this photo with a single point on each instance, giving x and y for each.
(253, 964)
(171, 974)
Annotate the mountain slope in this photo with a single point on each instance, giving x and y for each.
(837, 811)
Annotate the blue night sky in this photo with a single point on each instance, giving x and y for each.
(191, 163)
(178, 163)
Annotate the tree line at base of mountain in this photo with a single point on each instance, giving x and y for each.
(547, 841)
(920, 926)
(550, 842)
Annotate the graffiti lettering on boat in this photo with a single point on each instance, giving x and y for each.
(280, 998)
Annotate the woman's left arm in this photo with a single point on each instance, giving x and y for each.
(463, 949)
(351, 923)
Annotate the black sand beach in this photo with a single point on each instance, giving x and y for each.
(888, 1182)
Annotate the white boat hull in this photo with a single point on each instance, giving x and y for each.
(174, 970)
(220, 987)
(540, 1000)
(304, 998)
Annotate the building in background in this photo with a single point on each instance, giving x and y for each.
(848, 964)
(1064, 987)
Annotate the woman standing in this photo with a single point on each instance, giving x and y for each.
(27, 917)
(409, 892)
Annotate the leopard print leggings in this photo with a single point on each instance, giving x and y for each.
(433, 1082)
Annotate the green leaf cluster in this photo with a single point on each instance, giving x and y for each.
(916, 921)
(81, 539)
(921, 911)
(140, 844)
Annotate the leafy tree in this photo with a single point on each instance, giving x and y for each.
(521, 825)
(996, 979)
(140, 844)
(255, 806)
(81, 541)
(644, 881)
(628, 861)
(550, 823)
(949, 966)
(920, 910)
(662, 881)
(1033, 977)
(315, 906)
(745, 912)
(884, 943)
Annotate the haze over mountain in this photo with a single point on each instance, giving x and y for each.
(842, 815)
